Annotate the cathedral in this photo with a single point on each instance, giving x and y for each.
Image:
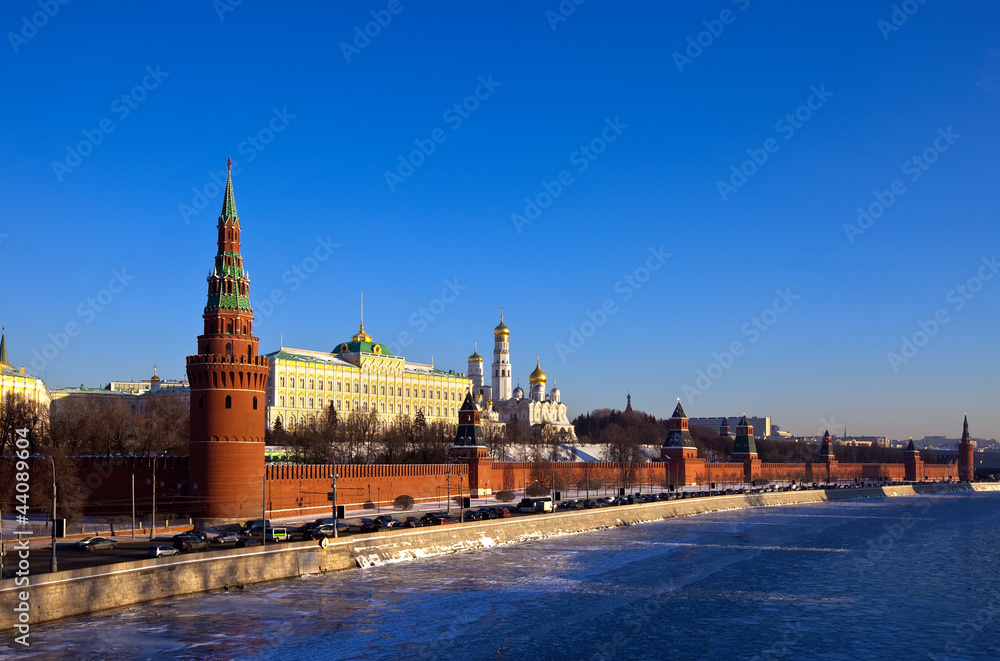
(501, 404)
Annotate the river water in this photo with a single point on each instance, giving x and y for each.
(889, 578)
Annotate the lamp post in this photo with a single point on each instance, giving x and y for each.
(448, 482)
(461, 498)
(152, 528)
(53, 563)
(336, 522)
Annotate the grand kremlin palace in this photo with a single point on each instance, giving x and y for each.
(359, 375)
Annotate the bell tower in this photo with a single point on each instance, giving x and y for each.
(228, 380)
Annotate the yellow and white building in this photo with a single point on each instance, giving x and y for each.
(16, 383)
(359, 375)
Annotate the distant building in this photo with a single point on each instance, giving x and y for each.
(136, 394)
(153, 384)
(762, 426)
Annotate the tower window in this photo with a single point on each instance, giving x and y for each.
(255, 403)
(229, 401)
(201, 401)
(229, 348)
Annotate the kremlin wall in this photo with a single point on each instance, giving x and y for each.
(225, 479)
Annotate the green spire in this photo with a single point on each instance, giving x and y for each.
(3, 347)
(229, 202)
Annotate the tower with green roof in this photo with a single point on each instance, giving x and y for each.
(228, 378)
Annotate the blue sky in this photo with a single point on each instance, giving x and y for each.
(615, 120)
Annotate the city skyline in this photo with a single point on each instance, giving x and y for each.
(751, 208)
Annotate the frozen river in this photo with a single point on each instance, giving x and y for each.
(891, 578)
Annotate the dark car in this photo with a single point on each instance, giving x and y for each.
(190, 543)
(161, 550)
(370, 525)
(387, 521)
(432, 515)
(203, 536)
(258, 524)
(411, 522)
(248, 541)
(326, 530)
(439, 520)
(96, 544)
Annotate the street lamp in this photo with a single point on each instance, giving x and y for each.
(336, 523)
(152, 529)
(53, 563)
(448, 481)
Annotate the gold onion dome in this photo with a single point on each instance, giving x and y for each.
(538, 376)
(501, 330)
(475, 357)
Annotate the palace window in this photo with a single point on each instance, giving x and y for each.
(282, 400)
(407, 391)
(407, 409)
(340, 404)
(366, 388)
(329, 385)
(312, 384)
(282, 380)
(355, 387)
(439, 411)
(392, 407)
(383, 390)
(302, 402)
(382, 407)
(339, 386)
(423, 392)
(321, 384)
(229, 401)
(400, 391)
(302, 383)
(311, 403)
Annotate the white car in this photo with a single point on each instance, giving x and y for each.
(160, 551)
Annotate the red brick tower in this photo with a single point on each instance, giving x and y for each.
(966, 454)
(826, 459)
(683, 466)
(745, 450)
(227, 380)
(468, 449)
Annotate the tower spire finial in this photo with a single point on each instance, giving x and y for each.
(362, 310)
(229, 164)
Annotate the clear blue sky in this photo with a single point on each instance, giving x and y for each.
(347, 114)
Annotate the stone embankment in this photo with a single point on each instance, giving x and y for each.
(78, 592)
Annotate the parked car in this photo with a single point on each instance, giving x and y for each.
(161, 550)
(439, 520)
(387, 521)
(190, 543)
(370, 525)
(96, 544)
(503, 512)
(248, 541)
(326, 530)
(225, 538)
(257, 523)
(412, 522)
(431, 515)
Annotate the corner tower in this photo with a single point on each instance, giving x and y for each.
(227, 378)
(966, 454)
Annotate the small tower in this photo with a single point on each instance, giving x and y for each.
(913, 467)
(826, 450)
(724, 430)
(554, 394)
(154, 382)
(678, 451)
(476, 370)
(966, 454)
(501, 390)
(4, 360)
(745, 446)
(628, 403)
(538, 380)
(469, 450)
(745, 450)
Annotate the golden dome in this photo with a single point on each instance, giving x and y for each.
(501, 331)
(475, 357)
(154, 377)
(538, 376)
(361, 335)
